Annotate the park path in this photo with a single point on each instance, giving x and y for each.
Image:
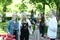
(32, 36)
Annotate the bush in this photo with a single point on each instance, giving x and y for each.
(3, 26)
(8, 18)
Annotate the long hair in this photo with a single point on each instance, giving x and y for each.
(42, 18)
(14, 14)
(25, 15)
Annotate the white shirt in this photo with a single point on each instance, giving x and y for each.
(29, 23)
(52, 27)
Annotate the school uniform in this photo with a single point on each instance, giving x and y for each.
(24, 29)
(52, 28)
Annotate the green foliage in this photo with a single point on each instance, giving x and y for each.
(39, 7)
(8, 18)
(57, 2)
(37, 1)
(5, 2)
(22, 7)
(3, 26)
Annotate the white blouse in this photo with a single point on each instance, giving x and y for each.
(52, 27)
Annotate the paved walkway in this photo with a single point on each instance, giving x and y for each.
(32, 36)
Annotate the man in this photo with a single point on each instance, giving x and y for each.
(52, 25)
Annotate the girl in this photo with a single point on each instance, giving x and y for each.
(12, 27)
(36, 32)
(42, 25)
(52, 25)
(24, 25)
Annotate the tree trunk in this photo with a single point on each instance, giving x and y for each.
(43, 8)
(4, 8)
(44, 11)
(58, 12)
(3, 17)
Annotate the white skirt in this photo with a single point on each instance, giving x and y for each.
(36, 35)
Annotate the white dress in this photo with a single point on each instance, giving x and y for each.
(36, 32)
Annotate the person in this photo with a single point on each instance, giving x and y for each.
(52, 25)
(32, 19)
(42, 25)
(36, 32)
(3, 18)
(12, 27)
(24, 25)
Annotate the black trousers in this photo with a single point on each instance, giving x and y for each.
(15, 33)
(24, 34)
(52, 39)
(42, 31)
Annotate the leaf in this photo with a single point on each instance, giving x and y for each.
(6, 2)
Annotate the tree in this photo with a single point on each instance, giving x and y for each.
(39, 6)
(22, 7)
(5, 3)
(57, 2)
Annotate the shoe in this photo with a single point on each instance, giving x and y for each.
(42, 38)
(49, 39)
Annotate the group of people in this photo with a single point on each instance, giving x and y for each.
(23, 27)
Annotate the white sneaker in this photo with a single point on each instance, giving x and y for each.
(42, 38)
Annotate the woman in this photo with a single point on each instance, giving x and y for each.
(42, 25)
(12, 27)
(52, 25)
(24, 25)
(36, 32)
